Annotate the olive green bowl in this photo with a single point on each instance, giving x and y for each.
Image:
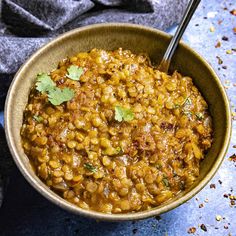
(138, 39)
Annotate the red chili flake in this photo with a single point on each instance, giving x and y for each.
(226, 195)
(233, 12)
(233, 157)
(192, 230)
(201, 205)
(226, 226)
(203, 227)
(220, 62)
(218, 44)
(225, 38)
(212, 186)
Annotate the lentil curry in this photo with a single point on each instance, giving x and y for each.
(110, 133)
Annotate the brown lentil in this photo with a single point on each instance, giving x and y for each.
(89, 158)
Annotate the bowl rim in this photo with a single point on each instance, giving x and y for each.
(56, 199)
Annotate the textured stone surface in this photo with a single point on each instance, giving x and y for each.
(25, 212)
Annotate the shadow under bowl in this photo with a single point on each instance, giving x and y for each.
(138, 39)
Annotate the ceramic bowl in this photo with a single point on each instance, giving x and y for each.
(138, 39)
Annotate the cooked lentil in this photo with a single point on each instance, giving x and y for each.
(132, 164)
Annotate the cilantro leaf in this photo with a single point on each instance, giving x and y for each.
(199, 116)
(74, 72)
(187, 101)
(187, 113)
(44, 83)
(38, 118)
(122, 113)
(90, 167)
(166, 182)
(57, 96)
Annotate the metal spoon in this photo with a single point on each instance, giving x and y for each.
(165, 63)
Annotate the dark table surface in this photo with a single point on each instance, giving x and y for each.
(26, 212)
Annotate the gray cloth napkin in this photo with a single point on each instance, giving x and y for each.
(25, 25)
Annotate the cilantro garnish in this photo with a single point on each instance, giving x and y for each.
(44, 83)
(90, 167)
(74, 72)
(187, 101)
(38, 118)
(56, 96)
(199, 116)
(166, 182)
(187, 113)
(122, 113)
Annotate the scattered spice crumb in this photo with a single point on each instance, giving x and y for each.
(226, 195)
(234, 146)
(203, 227)
(233, 49)
(226, 226)
(233, 12)
(225, 38)
(232, 202)
(229, 51)
(206, 200)
(192, 230)
(234, 30)
(135, 231)
(233, 157)
(218, 44)
(219, 22)
(212, 29)
(220, 182)
(219, 60)
(201, 205)
(224, 67)
(212, 186)
(227, 82)
(218, 218)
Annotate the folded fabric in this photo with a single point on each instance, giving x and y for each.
(25, 25)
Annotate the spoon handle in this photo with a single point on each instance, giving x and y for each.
(165, 63)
